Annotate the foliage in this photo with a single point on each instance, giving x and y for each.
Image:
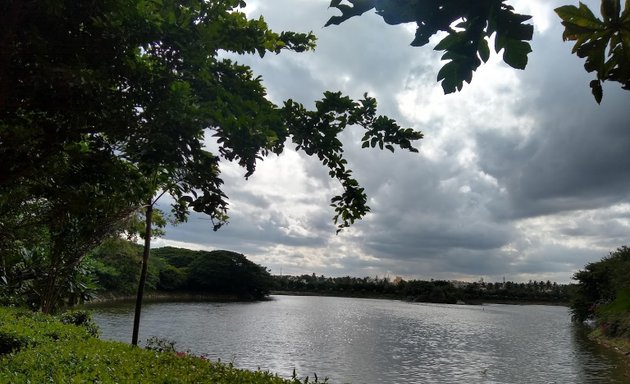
(139, 82)
(160, 345)
(603, 287)
(37, 348)
(172, 278)
(614, 318)
(104, 107)
(21, 328)
(116, 266)
(50, 222)
(605, 44)
(468, 26)
(177, 257)
(230, 272)
(176, 269)
(215, 271)
(80, 318)
(436, 291)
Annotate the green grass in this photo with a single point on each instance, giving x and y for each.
(35, 348)
(621, 304)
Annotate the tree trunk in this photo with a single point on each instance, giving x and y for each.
(143, 273)
(48, 298)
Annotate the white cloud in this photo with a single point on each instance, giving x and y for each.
(520, 175)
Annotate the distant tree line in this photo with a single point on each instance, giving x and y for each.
(434, 291)
(603, 294)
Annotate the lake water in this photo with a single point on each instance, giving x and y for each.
(379, 341)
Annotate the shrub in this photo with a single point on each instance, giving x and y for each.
(160, 345)
(81, 319)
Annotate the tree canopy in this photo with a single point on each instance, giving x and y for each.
(105, 106)
(603, 287)
(469, 25)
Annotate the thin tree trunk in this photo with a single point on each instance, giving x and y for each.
(143, 273)
(48, 297)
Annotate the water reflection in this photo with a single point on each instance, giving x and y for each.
(380, 341)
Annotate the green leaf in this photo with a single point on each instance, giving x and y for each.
(610, 10)
(447, 42)
(582, 16)
(596, 88)
(515, 54)
(484, 51)
(358, 8)
(448, 75)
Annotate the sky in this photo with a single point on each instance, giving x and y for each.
(521, 175)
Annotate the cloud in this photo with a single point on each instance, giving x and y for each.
(521, 175)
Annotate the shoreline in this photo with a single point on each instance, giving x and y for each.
(411, 300)
(619, 346)
(110, 297)
(154, 297)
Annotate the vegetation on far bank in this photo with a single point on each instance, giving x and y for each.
(38, 348)
(114, 269)
(434, 291)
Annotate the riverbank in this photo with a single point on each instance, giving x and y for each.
(155, 296)
(37, 348)
(619, 345)
(359, 295)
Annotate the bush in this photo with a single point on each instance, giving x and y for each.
(160, 345)
(81, 319)
(21, 329)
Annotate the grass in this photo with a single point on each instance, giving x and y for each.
(36, 348)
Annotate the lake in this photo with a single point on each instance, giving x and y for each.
(379, 341)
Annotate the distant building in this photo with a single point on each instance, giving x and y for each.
(459, 284)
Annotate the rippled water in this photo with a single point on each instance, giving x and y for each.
(379, 341)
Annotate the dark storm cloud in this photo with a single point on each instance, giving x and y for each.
(421, 213)
(576, 156)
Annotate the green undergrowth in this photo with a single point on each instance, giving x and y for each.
(36, 348)
(614, 318)
(613, 323)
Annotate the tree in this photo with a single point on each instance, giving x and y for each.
(48, 229)
(229, 272)
(600, 283)
(605, 43)
(115, 264)
(140, 83)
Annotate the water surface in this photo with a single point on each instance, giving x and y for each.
(379, 341)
